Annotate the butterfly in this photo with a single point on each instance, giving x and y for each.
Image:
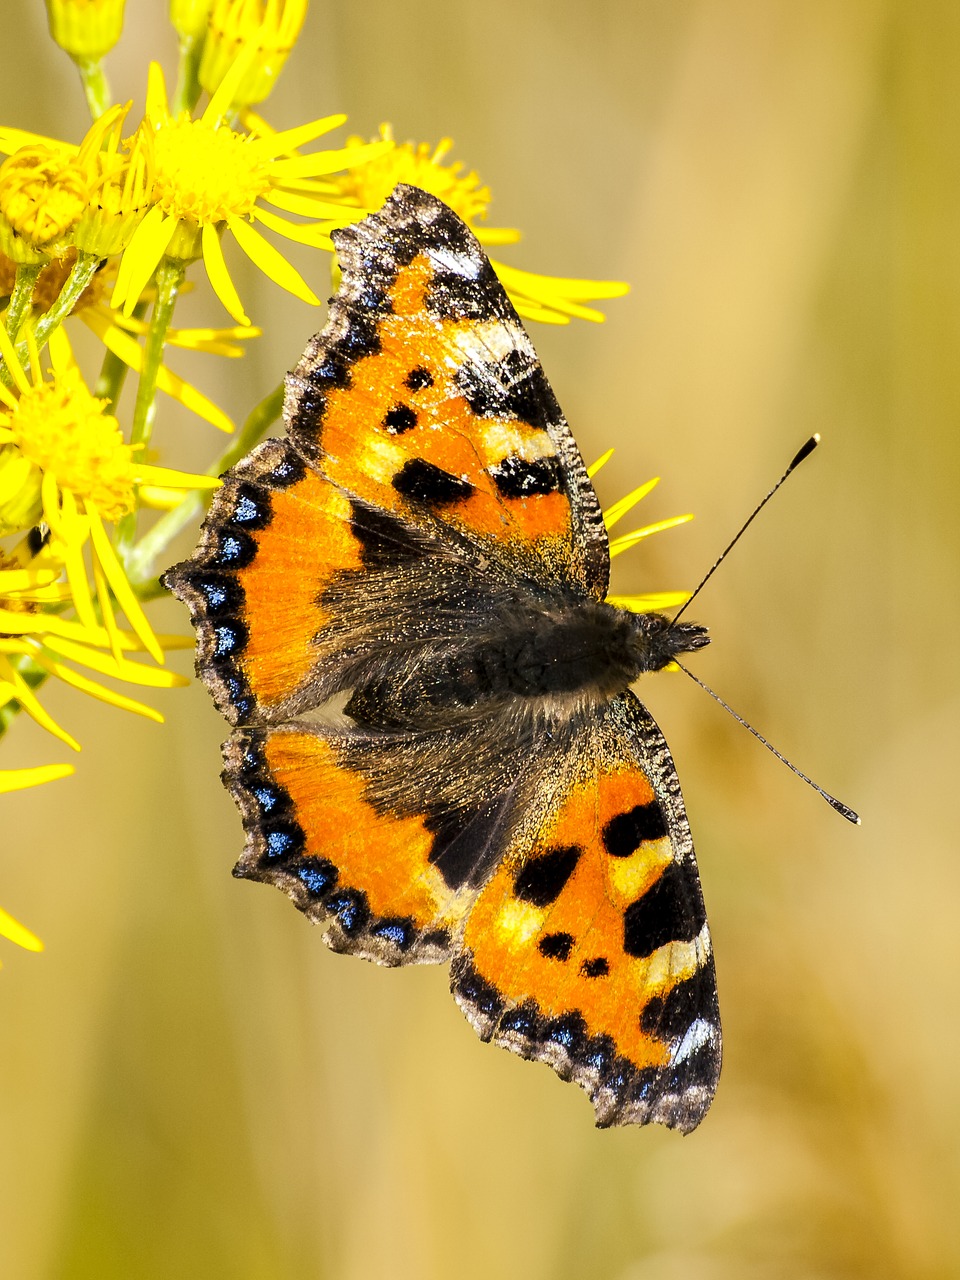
(400, 607)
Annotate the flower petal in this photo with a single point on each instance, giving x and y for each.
(271, 261)
(20, 779)
(120, 586)
(287, 140)
(141, 257)
(31, 704)
(627, 540)
(99, 691)
(219, 276)
(13, 929)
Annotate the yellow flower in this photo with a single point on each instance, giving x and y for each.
(43, 194)
(37, 641)
(55, 195)
(189, 17)
(271, 26)
(120, 334)
(209, 178)
(86, 29)
(654, 601)
(87, 475)
(553, 299)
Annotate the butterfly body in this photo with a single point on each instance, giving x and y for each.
(400, 608)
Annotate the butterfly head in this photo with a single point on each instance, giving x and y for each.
(657, 640)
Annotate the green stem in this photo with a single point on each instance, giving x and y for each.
(141, 561)
(82, 272)
(95, 86)
(22, 298)
(188, 75)
(169, 278)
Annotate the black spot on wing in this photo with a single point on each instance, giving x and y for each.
(595, 967)
(513, 387)
(418, 378)
(518, 478)
(669, 1016)
(399, 419)
(540, 881)
(556, 946)
(421, 481)
(625, 833)
(670, 911)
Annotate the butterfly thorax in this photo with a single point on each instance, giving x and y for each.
(554, 658)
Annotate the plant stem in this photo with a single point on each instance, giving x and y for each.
(95, 86)
(22, 297)
(169, 278)
(188, 79)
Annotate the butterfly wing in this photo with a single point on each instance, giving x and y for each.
(589, 948)
(426, 451)
(424, 397)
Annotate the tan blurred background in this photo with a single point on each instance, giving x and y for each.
(190, 1084)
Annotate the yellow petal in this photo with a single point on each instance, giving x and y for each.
(23, 579)
(20, 779)
(12, 361)
(619, 509)
(141, 256)
(275, 144)
(316, 163)
(32, 706)
(148, 474)
(652, 603)
(219, 276)
(600, 462)
(627, 540)
(302, 233)
(120, 586)
(157, 107)
(99, 691)
(271, 261)
(120, 668)
(17, 932)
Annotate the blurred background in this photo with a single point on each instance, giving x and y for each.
(190, 1083)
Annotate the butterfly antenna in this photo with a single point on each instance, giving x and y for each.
(805, 452)
(832, 801)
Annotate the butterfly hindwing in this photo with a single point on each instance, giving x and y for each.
(589, 947)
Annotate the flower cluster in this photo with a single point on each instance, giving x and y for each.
(104, 232)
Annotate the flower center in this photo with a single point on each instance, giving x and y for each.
(62, 429)
(206, 174)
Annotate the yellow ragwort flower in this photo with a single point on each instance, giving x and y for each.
(43, 193)
(553, 299)
(120, 334)
(654, 601)
(87, 475)
(86, 29)
(209, 179)
(38, 639)
(271, 26)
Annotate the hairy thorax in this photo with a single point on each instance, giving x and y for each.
(553, 658)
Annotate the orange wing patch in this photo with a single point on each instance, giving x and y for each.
(404, 437)
(313, 831)
(553, 925)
